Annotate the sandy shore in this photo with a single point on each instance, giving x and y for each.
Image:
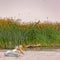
(34, 55)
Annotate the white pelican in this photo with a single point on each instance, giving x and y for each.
(15, 52)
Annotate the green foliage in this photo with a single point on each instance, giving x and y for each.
(13, 33)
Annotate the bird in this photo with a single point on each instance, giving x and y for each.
(15, 52)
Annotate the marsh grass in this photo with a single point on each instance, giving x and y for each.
(13, 33)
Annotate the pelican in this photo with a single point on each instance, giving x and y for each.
(15, 52)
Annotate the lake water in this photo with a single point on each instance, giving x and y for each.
(34, 55)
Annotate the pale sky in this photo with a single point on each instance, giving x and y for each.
(31, 10)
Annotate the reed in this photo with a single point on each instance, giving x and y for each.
(13, 33)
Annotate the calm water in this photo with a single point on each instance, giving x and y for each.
(34, 55)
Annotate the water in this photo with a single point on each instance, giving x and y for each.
(34, 55)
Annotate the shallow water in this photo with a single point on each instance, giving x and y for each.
(34, 55)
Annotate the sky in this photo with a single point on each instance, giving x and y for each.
(31, 10)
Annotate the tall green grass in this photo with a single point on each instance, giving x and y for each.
(13, 33)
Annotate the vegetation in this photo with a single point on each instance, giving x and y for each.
(13, 33)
